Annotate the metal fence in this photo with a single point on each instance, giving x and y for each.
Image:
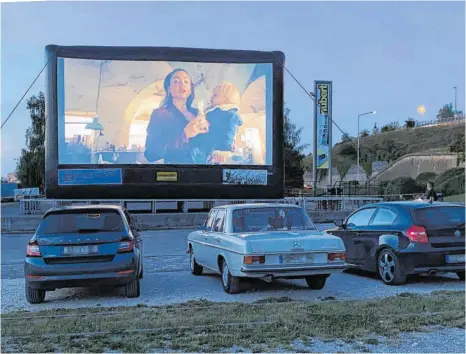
(442, 121)
(331, 203)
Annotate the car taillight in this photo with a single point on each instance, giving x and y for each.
(417, 234)
(254, 259)
(33, 250)
(125, 246)
(337, 256)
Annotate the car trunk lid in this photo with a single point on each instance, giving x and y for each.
(302, 241)
(444, 225)
(82, 234)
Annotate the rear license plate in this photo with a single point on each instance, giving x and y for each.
(455, 258)
(80, 250)
(311, 258)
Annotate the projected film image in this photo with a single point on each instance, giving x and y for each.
(159, 112)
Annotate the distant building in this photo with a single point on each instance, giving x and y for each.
(12, 178)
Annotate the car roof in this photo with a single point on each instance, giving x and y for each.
(410, 204)
(85, 207)
(256, 205)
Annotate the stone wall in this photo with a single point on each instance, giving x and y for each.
(412, 166)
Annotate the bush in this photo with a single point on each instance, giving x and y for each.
(403, 185)
(453, 186)
(410, 123)
(423, 178)
(445, 176)
(390, 127)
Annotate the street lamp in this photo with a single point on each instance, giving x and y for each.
(454, 87)
(359, 116)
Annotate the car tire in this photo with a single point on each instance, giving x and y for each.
(133, 288)
(389, 268)
(460, 275)
(34, 296)
(231, 284)
(316, 282)
(196, 269)
(141, 274)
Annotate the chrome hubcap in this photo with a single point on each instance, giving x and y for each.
(225, 274)
(387, 267)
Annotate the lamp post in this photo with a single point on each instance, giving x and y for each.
(359, 116)
(454, 87)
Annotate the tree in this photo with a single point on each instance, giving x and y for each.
(458, 146)
(293, 153)
(446, 112)
(390, 127)
(346, 137)
(31, 165)
(364, 133)
(410, 123)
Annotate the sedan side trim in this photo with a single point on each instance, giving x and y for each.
(212, 246)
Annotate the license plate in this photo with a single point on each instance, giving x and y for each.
(80, 250)
(455, 258)
(299, 258)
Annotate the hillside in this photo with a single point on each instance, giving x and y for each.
(391, 146)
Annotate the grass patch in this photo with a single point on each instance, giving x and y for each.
(203, 326)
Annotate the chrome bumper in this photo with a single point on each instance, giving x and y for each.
(294, 268)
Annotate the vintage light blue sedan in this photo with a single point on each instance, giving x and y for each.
(266, 241)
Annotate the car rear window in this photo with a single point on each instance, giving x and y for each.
(447, 216)
(81, 221)
(271, 219)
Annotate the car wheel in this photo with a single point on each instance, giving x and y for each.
(231, 284)
(34, 296)
(196, 269)
(389, 267)
(316, 282)
(133, 289)
(460, 275)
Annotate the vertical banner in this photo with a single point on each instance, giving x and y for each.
(322, 124)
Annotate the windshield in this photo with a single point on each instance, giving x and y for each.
(271, 219)
(81, 221)
(448, 216)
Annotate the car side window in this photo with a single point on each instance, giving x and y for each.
(360, 218)
(383, 217)
(219, 221)
(210, 220)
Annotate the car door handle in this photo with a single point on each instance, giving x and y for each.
(357, 240)
(217, 239)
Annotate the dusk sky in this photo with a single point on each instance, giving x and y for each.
(385, 56)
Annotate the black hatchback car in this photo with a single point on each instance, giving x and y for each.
(397, 239)
(83, 246)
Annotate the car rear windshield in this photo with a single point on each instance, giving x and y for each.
(271, 219)
(81, 221)
(435, 217)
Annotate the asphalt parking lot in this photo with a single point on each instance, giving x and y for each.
(167, 280)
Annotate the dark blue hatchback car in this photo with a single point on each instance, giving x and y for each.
(83, 246)
(397, 239)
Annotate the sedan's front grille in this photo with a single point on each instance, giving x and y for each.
(70, 260)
